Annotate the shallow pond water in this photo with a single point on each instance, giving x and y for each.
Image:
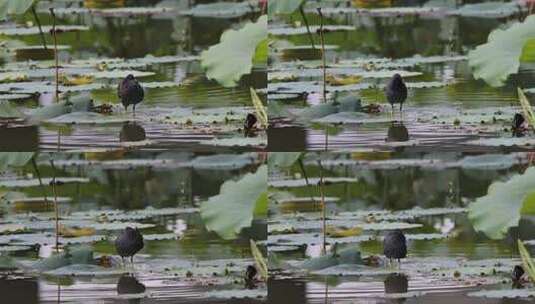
(446, 107)
(427, 195)
(160, 42)
(161, 193)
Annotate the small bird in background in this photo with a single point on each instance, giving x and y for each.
(130, 92)
(396, 92)
(128, 243)
(519, 128)
(248, 125)
(250, 277)
(395, 245)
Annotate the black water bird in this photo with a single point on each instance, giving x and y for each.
(128, 243)
(517, 273)
(395, 245)
(130, 92)
(248, 125)
(250, 277)
(518, 125)
(396, 91)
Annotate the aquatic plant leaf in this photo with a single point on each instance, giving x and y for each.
(14, 159)
(258, 141)
(504, 293)
(74, 270)
(489, 9)
(349, 255)
(87, 118)
(287, 31)
(81, 255)
(283, 6)
(257, 293)
(282, 159)
(223, 9)
(526, 108)
(260, 261)
(527, 261)
(20, 30)
(232, 209)
(79, 103)
(494, 213)
(8, 111)
(259, 109)
(293, 183)
(228, 60)
(495, 60)
(14, 7)
(33, 182)
(15, 248)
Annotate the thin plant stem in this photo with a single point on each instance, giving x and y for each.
(323, 59)
(36, 17)
(54, 34)
(34, 164)
(301, 10)
(302, 167)
(323, 211)
(56, 209)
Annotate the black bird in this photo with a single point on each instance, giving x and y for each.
(396, 91)
(517, 273)
(395, 245)
(248, 125)
(130, 92)
(250, 275)
(518, 125)
(128, 243)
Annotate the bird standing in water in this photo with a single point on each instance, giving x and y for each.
(128, 243)
(130, 92)
(396, 92)
(395, 245)
(519, 125)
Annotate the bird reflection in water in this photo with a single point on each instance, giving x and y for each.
(396, 283)
(132, 132)
(397, 132)
(128, 284)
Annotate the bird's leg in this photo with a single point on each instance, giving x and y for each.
(392, 112)
(401, 111)
(122, 259)
(134, 112)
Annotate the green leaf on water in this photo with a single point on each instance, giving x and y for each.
(495, 60)
(259, 108)
(260, 261)
(14, 7)
(494, 213)
(14, 159)
(526, 260)
(283, 6)
(232, 209)
(526, 107)
(228, 60)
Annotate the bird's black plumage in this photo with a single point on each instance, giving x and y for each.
(517, 273)
(396, 91)
(395, 245)
(130, 92)
(129, 242)
(518, 125)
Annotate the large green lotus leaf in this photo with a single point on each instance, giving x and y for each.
(228, 60)
(283, 6)
(81, 255)
(494, 213)
(282, 159)
(8, 111)
(14, 159)
(16, 7)
(495, 60)
(232, 209)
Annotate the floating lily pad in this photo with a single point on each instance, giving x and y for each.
(293, 183)
(21, 183)
(83, 270)
(20, 31)
(285, 31)
(223, 9)
(237, 142)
